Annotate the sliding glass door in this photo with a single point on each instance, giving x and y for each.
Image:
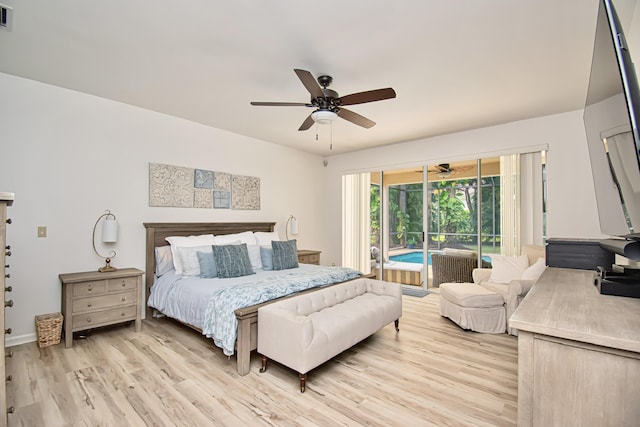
(417, 216)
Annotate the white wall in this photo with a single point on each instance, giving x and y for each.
(571, 200)
(68, 157)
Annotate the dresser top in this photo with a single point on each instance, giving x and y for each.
(7, 197)
(565, 303)
(87, 276)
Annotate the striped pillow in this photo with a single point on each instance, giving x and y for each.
(285, 254)
(232, 260)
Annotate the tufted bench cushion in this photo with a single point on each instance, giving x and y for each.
(306, 330)
(473, 307)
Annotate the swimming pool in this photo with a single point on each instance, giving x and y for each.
(415, 257)
(418, 258)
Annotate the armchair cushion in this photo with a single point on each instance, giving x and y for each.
(535, 270)
(507, 268)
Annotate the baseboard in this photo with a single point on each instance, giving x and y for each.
(20, 339)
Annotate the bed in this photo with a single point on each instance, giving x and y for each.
(245, 336)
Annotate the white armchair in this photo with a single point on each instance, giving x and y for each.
(515, 290)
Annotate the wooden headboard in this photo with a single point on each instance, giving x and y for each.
(157, 231)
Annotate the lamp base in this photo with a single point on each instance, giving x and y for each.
(107, 267)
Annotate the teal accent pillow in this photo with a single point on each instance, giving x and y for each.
(266, 255)
(285, 254)
(232, 260)
(207, 265)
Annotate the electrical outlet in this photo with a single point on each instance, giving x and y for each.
(42, 231)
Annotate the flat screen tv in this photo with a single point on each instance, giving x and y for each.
(611, 117)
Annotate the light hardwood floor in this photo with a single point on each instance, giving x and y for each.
(430, 373)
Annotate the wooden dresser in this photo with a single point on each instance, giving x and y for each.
(306, 256)
(578, 353)
(92, 299)
(6, 199)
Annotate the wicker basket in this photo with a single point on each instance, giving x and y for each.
(49, 328)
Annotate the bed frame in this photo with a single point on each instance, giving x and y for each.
(248, 316)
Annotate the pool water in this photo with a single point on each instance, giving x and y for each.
(415, 257)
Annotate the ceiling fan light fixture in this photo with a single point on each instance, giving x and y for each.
(323, 117)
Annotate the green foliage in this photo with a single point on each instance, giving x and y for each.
(453, 212)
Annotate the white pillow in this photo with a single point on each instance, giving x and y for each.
(254, 256)
(164, 260)
(507, 268)
(534, 271)
(264, 238)
(188, 242)
(227, 239)
(188, 258)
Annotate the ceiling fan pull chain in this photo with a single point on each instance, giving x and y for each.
(331, 136)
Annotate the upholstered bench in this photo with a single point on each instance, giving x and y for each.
(306, 330)
(473, 307)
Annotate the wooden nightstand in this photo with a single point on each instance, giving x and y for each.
(306, 256)
(92, 299)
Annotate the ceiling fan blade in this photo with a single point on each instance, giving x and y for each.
(368, 96)
(308, 122)
(281, 104)
(356, 118)
(310, 83)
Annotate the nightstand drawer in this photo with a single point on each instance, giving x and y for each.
(123, 284)
(114, 315)
(306, 256)
(313, 259)
(103, 301)
(89, 288)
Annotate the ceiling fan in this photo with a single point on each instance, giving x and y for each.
(444, 170)
(328, 104)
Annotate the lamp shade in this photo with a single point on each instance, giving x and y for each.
(294, 226)
(110, 230)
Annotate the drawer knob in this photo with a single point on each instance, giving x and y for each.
(124, 284)
(8, 221)
(122, 314)
(9, 354)
(11, 409)
(7, 331)
(89, 305)
(8, 288)
(7, 253)
(9, 378)
(8, 276)
(89, 320)
(8, 303)
(7, 247)
(90, 288)
(123, 299)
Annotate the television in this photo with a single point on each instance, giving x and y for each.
(611, 118)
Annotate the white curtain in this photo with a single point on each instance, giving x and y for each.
(355, 222)
(531, 199)
(510, 209)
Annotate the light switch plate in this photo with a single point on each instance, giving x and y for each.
(42, 231)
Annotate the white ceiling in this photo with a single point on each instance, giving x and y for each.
(455, 65)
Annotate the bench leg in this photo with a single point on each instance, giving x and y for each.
(264, 363)
(397, 324)
(303, 380)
